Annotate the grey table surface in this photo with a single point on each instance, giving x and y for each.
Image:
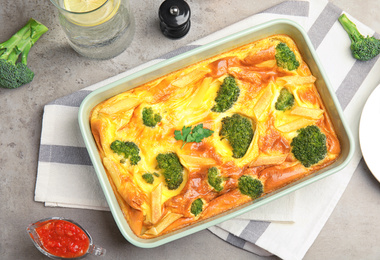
(352, 231)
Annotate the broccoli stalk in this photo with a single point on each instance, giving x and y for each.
(362, 48)
(15, 73)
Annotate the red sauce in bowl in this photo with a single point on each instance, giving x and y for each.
(63, 239)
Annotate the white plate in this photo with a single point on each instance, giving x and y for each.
(369, 130)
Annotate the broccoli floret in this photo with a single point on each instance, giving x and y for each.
(309, 146)
(362, 48)
(285, 100)
(250, 186)
(214, 179)
(127, 149)
(227, 95)
(149, 118)
(196, 207)
(15, 73)
(238, 130)
(285, 57)
(172, 169)
(148, 177)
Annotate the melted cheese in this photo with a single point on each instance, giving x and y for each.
(185, 98)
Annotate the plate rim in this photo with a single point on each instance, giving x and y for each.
(362, 132)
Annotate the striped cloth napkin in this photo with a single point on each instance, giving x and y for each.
(63, 157)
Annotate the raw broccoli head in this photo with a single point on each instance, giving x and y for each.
(362, 48)
(250, 186)
(15, 73)
(149, 118)
(285, 100)
(196, 207)
(309, 146)
(285, 57)
(172, 169)
(227, 95)
(238, 130)
(214, 179)
(128, 150)
(148, 177)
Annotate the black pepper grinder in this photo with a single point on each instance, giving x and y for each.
(174, 18)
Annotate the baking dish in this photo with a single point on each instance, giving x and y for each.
(270, 28)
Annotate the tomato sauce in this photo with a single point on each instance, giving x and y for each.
(62, 238)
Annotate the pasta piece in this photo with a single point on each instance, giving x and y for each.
(234, 69)
(156, 203)
(295, 125)
(195, 161)
(313, 113)
(267, 64)
(270, 159)
(263, 103)
(201, 95)
(264, 54)
(191, 77)
(122, 105)
(124, 185)
(113, 170)
(164, 223)
(298, 80)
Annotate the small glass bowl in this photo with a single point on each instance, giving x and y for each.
(31, 229)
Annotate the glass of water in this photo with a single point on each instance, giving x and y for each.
(97, 29)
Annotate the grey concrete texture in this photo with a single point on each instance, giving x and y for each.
(352, 231)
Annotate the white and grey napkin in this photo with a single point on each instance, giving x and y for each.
(286, 227)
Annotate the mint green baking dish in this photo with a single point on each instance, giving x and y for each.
(280, 26)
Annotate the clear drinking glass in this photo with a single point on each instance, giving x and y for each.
(101, 33)
(31, 229)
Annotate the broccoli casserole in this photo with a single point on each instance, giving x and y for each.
(213, 136)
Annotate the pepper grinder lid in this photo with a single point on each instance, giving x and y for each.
(174, 18)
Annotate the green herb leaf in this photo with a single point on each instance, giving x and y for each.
(188, 135)
(182, 136)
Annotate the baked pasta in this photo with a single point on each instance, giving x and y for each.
(213, 136)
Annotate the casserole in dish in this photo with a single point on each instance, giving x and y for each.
(179, 154)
